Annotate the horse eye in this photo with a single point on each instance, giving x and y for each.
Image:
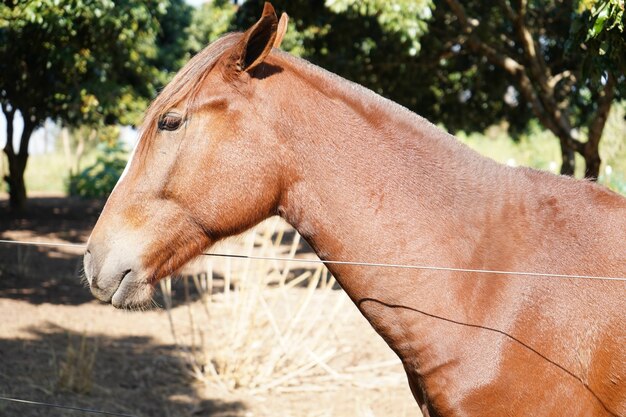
(170, 122)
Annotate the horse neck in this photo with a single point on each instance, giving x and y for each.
(366, 177)
(368, 181)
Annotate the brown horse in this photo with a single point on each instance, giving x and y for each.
(245, 131)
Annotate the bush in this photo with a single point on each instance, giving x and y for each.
(98, 179)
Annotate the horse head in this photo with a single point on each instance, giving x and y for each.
(207, 165)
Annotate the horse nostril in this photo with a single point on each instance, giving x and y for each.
(94, 280)
(94, 283)
(104, 286)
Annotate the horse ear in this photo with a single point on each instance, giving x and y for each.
(257, 41)
(282, 29)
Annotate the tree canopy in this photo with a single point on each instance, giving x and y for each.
(82, 62)
(464, 64)
(534, 52)
(472, 64)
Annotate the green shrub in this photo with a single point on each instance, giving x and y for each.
(98, 179)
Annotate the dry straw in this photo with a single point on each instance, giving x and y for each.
(269, 325)
(76, 370)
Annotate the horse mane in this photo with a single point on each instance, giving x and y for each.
(373, 106)
(187, 83)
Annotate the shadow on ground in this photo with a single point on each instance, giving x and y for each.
(67, 218)
(40, 274)
(131, 375)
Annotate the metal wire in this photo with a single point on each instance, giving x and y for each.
(65, 407)
(34, 243)
(357, 263)
(317, 261)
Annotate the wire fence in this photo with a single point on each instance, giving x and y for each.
(359, 263)
(300, 260)
(63, 407)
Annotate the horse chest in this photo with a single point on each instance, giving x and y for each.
(476, 382)
(457, 370)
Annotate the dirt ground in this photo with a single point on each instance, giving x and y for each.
(59, 345)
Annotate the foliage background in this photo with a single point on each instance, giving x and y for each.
(88, 64)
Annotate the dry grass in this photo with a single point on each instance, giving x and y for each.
(137, 369)
(270, 329)
(76, 370)
(23, 257)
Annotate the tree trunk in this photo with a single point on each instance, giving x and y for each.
(592, 165)
(17, 187)
(568, 156)
(17, 161)
(536, 83)
(591, 151)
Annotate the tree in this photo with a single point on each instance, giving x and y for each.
(77, 62)
(473, 64)
(172, 40)
(600, 31)
(371, 42)
(531, 45)
(209, 21)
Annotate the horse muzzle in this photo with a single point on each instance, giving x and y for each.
(114, 281)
